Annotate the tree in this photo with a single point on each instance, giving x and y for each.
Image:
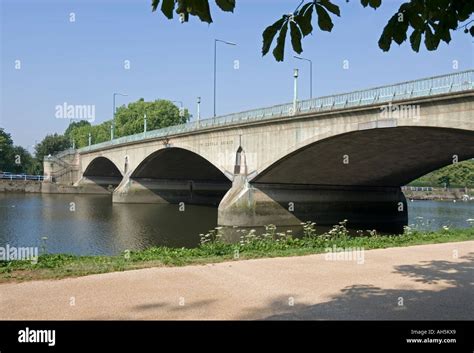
(51, 144)
(6, 151)
(431, 20)
(15, 159)
(445, 180)
(457, 175)
(79, 132)
(128, 121)
(23, 162)
(74, 126)
(160, 113)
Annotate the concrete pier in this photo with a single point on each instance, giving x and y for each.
(254, 205)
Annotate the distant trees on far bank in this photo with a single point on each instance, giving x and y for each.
(16, 159)
(129, 120)
(458, 175)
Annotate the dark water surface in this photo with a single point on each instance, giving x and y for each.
(92, 225)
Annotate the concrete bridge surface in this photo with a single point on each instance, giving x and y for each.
(332, 158)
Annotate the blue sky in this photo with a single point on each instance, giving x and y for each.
(82, 62)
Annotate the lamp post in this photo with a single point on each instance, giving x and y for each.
(198, 108)
(144, 124)
(310, 74)
(295, 90)
(215, 67)
(113, 115)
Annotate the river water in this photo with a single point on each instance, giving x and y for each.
(92, 225)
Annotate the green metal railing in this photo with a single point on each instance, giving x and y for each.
(456, 82)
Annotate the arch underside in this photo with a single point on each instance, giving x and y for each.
(102, 167)
(178, 175)
(178, 164)
(384, 157)
(102, 171)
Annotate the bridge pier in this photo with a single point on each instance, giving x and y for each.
(254, 205)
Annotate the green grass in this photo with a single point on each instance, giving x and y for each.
(213, 249)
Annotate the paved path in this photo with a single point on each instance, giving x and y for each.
(418, 282)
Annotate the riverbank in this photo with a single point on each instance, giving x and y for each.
(40, 187)
(214, 250)
(438, 194)
(33, 186)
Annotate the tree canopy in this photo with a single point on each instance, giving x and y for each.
(160, 113)
(456, 175)
(430, 21)
(6, 151)
(15, 159)
(129, 120)
(51, 144)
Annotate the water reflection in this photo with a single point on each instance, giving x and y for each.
(91, 224)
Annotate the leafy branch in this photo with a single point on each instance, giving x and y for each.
(431, 20)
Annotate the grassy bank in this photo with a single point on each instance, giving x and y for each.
(212, 249)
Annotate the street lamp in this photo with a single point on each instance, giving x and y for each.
(113, 116)
(215, 67)
(198, 108)
(295, 90)
(310, 74)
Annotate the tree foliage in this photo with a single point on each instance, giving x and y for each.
(16, 159)
(51, 144)
(430, 22)
(456, 175)
(74, 126)
(6, 151)
(129, 120)
(160, 113)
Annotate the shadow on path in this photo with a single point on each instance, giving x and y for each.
(367, 302)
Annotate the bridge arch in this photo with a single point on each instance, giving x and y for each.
(102, 167)
(174, 175)
(177, 163)
(101, 173)
(387, 157)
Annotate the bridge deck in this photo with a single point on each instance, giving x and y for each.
(427, 87)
